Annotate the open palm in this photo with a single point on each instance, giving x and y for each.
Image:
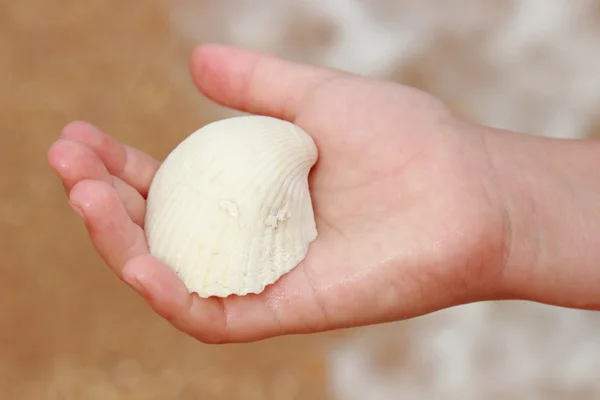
(408, 217)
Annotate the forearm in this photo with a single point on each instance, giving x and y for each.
(552, 196)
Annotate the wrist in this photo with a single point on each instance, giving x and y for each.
(551, 194)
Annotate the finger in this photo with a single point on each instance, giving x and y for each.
(75, 161)
(210, 320)
(132, 200)
(114, 235)
(203, 319)
(287, 307)
(255, 82)
(128, 164)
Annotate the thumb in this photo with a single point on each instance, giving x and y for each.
(255, 82)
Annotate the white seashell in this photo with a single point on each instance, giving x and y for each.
(229, 210)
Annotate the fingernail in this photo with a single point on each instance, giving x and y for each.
(77, 209)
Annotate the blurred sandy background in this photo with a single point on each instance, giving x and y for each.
(69, 330)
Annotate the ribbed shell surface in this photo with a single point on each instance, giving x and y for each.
(229, 210)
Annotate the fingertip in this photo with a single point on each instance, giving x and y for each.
(78, 130)
(56, 159)
(211, 69)
(254, 82)
(159, 285)
(102, 144)
(94, 198)
(54, 156)
(78, 125)
(87, 133)
(198, 54)
(208, 52)
(61, 154)
(203, 319)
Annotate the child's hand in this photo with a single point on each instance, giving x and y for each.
(409, 216)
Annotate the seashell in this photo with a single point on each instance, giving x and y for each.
(229, 210)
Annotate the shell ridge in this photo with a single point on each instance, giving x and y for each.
(267, 205)
(276, 236)
(167, 226)
(271, 236)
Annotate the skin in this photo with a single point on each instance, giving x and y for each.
(416, 210)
